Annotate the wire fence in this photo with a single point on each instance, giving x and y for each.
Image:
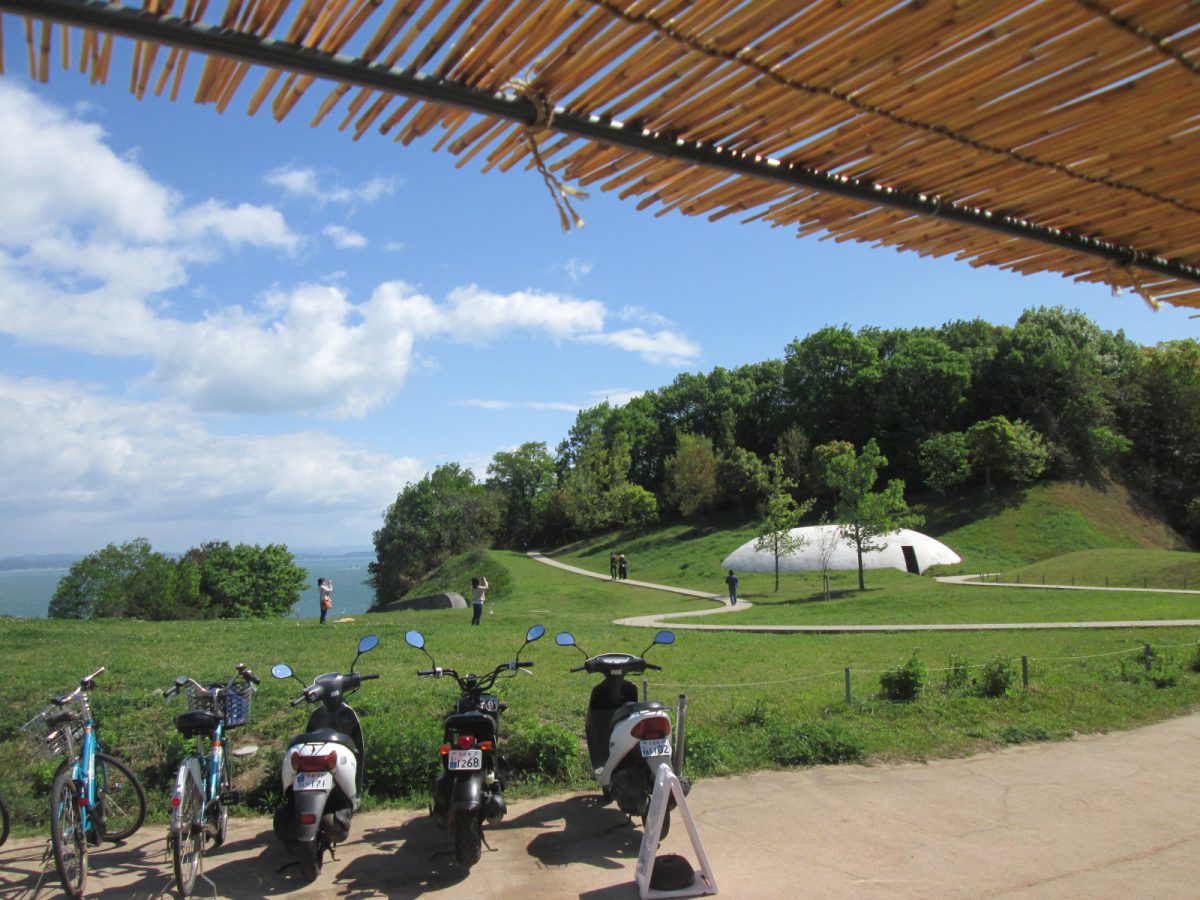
(1175, 583)
(1149, 654)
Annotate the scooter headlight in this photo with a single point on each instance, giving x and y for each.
(314, 762)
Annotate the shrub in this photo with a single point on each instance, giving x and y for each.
(903, 683)
(958, 674)
(997, 678)
(706, 754)
(402, 758)
(542, 751)
(1193, 664)
(812, 744)
(1015, 734)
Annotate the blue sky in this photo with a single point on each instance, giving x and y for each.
(217, 327)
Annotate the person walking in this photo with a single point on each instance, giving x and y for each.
(479, 586)
(732, 581)
(612, 565)
(325, 592)
(622, 567)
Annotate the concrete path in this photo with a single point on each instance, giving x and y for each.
(1110, 816)
(672, 620)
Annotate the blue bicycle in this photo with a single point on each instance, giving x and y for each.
(94, 796)
(204, 784)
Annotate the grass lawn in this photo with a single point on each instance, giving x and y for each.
(755, 701)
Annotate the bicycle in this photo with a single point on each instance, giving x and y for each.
(94, 796)
(204, 785)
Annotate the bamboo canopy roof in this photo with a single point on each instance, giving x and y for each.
(1035, 135)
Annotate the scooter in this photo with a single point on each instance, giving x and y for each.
(471, 786)
(627, 739)
(323, 767)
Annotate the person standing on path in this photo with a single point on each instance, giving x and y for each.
(732, 581)
(622, 567)
(612, 565)
(479, 586)
(325, 591)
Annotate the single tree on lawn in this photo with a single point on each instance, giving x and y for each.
(781, 514)
(866, 514)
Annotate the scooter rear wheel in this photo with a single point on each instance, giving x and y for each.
(468, 837)
(310, 860)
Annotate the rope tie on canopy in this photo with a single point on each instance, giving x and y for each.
(543, 119)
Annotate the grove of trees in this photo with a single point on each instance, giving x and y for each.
(213, 581)
(967, 405)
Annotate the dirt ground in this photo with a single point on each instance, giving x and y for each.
(1105, 816)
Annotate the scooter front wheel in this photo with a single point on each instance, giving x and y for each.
(468, 837)
(310, 859)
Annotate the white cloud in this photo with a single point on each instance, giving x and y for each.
(640, 314)
(477, 316)
(576, 269)
(308, 184)
(61, 183)
(660, 348)
(75, 463)
(343, 238)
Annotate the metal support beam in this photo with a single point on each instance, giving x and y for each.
(104, 16)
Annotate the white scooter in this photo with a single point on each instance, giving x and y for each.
(323, 767)
(627, 739)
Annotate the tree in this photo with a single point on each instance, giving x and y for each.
(523, 479)
(866, 514)
(827, 543)
(828, 374)
(444, 513)
(781, 514)
(691, 475)
(126, 581)
(248, 581)
(742, 478)
(1012, 451)
(945, 461)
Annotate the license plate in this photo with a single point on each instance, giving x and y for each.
(464, 759)
(659, 747)
(313, 781)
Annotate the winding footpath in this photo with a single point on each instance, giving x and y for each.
(661, 620)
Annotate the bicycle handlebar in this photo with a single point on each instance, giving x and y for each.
(245, 672)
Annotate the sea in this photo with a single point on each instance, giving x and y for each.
(27, 592)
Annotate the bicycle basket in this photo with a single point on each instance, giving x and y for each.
(49, 741)
(237, 705)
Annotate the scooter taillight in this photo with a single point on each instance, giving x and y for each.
(318, 762)
(651, 728)
(466, 741)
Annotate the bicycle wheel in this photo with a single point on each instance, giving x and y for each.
(187, 839)
(220, 821)
(66, 833)
(3, 822)
(120, 798)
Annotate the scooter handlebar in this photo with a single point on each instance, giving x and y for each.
(367, 677)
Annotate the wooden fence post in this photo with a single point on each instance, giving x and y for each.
(847, 685)
(1149, 654)
(1025, 672)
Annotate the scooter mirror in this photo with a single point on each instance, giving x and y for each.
(180, 681)
(415, 639)
(370, 642)
(281, 671)
(665, 637)
(534, 633)
(564, 639)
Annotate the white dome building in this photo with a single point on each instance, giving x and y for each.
(906, 550)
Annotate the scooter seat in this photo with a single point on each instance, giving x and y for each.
(479, 724)
(625, 710)
(324, 736)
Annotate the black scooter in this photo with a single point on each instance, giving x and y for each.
(471, 786)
